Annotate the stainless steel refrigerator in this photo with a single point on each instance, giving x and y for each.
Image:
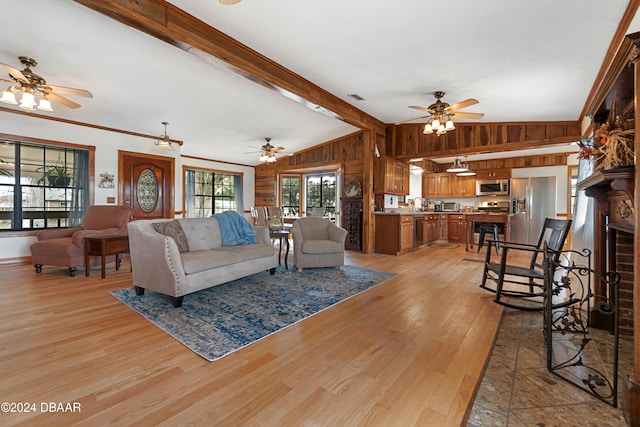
(532, 200)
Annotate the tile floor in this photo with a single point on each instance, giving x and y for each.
(517, 389)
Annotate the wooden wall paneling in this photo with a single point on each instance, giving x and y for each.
(266, 187)
(463, 138)
(555, 131)
(483, 135)
(369, 140)
(534, 132)
(384, 142)
(359, 145)
(413, 137)
(498, 134)
(478, 137)
(514, 133)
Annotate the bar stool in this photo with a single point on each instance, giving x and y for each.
(491, 228)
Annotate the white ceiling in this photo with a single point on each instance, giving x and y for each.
(524, 61)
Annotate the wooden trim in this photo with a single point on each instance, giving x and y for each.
(18, 138)
(76, 123)
(14, 233)
(185, 156)
(25, 260)
(604, 76)
(170, 24)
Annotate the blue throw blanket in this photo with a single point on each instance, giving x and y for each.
(235, 229)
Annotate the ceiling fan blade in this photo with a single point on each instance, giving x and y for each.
(64, 101)
(462, 104)
(463, 115)
(8, 81)
(14, 72)
(426, 110)
(71, 91)
(410, 120)
(276, 149)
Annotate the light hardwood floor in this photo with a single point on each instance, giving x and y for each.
(410, 351)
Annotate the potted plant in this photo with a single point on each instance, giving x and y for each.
(55, 176)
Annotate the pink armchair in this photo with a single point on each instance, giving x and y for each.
(64, 247)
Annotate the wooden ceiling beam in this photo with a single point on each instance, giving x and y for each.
(172, 25)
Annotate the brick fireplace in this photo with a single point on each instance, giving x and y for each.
(613, 240)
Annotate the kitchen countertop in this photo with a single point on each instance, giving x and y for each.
(427, 213)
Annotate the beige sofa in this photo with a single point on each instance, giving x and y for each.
(195, 259)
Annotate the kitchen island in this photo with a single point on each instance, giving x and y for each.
(398, 232)
(481, 217)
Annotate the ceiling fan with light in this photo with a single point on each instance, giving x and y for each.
(441, 114)
(268, 153)
(33, 89)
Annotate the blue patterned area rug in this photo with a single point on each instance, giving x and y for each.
(217, 321)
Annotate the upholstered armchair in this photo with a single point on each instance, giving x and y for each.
(64, 247)
(317, 242)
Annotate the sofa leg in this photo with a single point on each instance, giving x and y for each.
(139, 290)
(299, 269)
(177, 302)
(341, 267)
(38, 268)
(272, 271)
(72, 271)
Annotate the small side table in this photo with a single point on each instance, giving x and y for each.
(103, 246)
(281, 234)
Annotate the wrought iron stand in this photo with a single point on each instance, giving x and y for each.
(572, 353)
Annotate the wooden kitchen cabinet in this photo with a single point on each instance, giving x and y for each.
(493, 174)
(406, 233)
(390, 176)
(448, 185)
(443, 227)
(436, 185)
(430, 183)
(465, 186)
(430, 225)
(393, 233)
(457, 228)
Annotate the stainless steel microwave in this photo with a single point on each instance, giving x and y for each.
(493, 187)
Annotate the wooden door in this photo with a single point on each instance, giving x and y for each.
(146, 184)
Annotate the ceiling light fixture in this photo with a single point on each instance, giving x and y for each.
(416, 170)
(164, 142)
(457, 166)
(441, 122)
(268, 153)
(468, 172)
(31, 90)
(27, 98)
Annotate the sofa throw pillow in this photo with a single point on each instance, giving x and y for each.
(174, 230)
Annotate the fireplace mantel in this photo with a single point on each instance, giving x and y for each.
(613, 190)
